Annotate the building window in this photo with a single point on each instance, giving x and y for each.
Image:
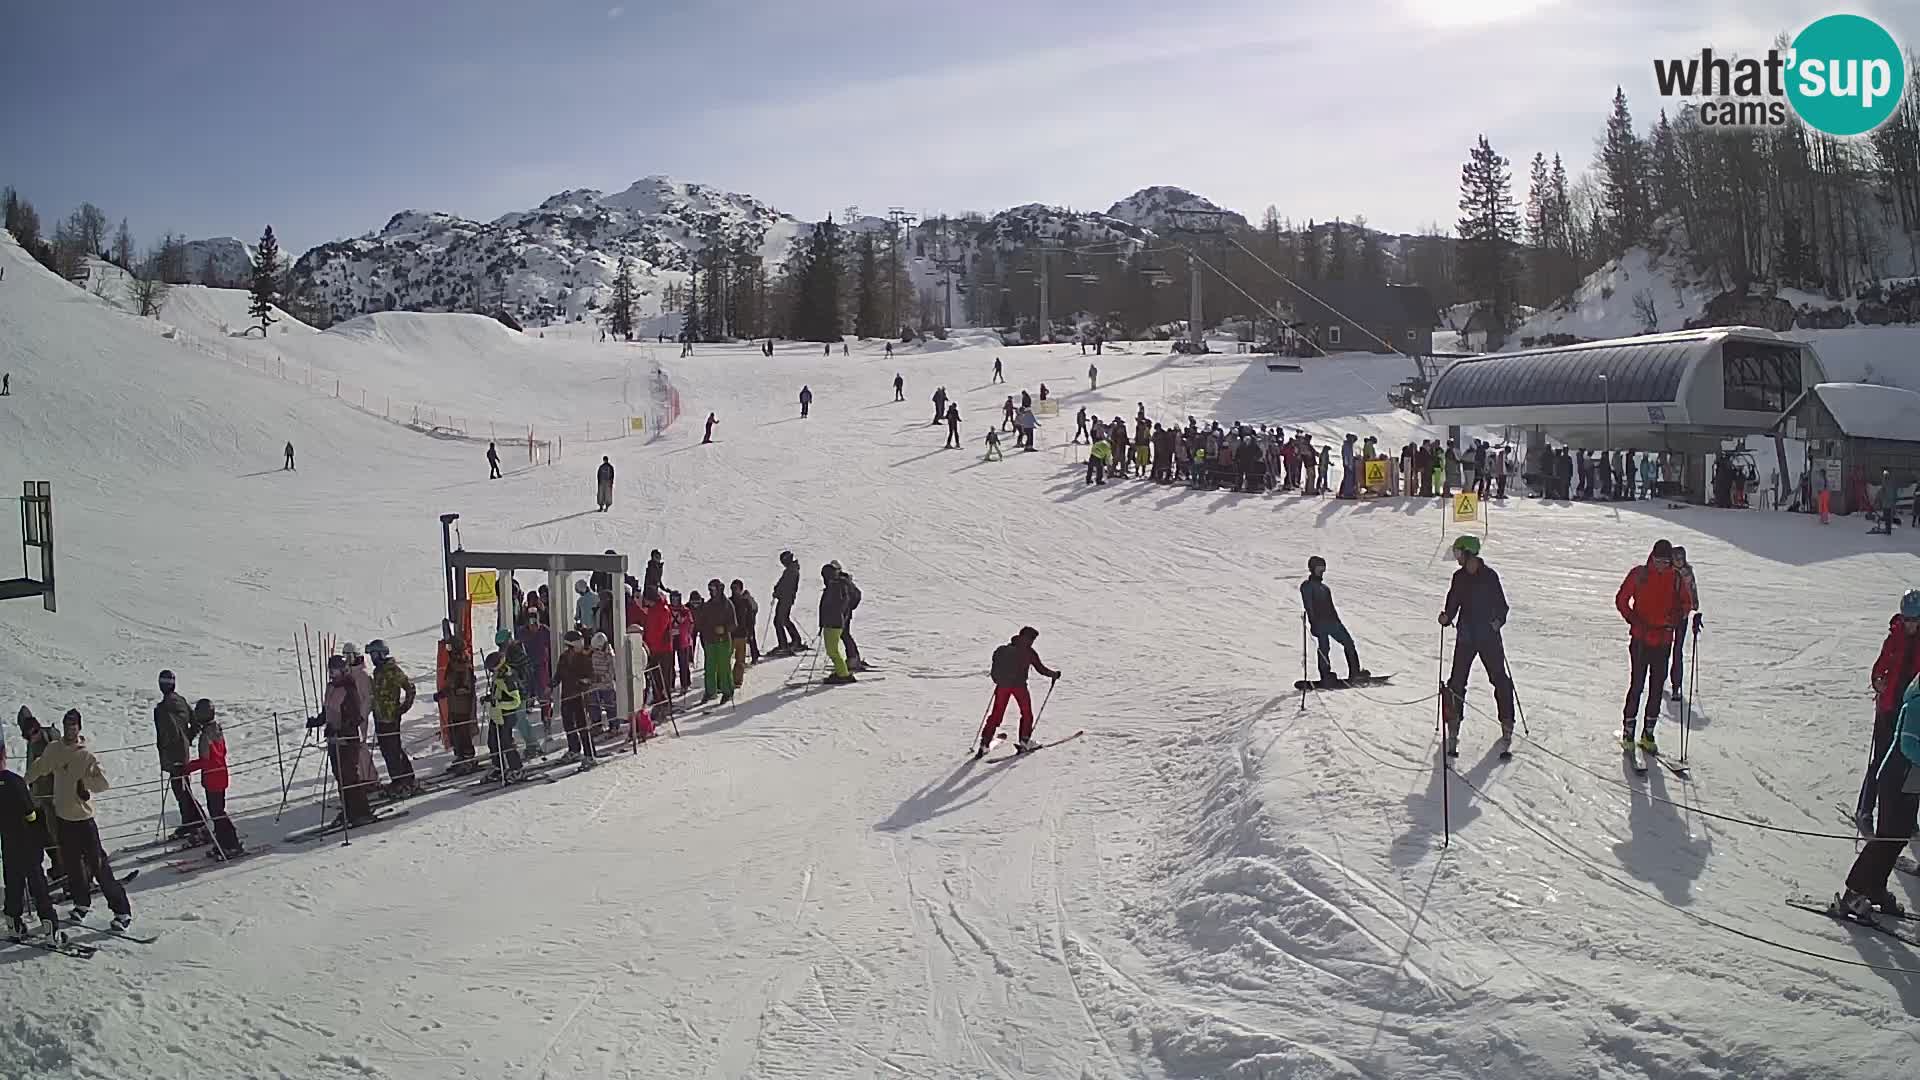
(1410, 335)
(1333, 335)
(1760, 377)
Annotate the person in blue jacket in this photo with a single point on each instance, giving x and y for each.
(1477, 609)
(1324, 623)
(1866, 892)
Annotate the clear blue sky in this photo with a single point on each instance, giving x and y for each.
(215, 117)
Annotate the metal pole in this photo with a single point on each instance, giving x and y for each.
(446, 557)
(1606, 391)
(1440, 719)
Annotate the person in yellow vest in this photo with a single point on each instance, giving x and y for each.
(1097, 460)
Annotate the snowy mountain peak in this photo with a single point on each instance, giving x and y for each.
(220, 261)
(1150, 206)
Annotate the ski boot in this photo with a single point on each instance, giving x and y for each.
(1359, 675)
(1506, 739)
(1647, 745)
(78, 915)
(1328, 681)
(16, 928)
(980, 751)
(1628, 737)
(1886, 903)
(1855, 907)
(859, 665)
(121, 922)
(1026, 746)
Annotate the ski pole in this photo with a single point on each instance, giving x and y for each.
(980, 730)
(1042, 710)
(1446, 780)
(1693, 678)
(1303, 662)
(1514, 688)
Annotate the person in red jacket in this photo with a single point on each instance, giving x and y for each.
(1897, 665)
(1654, 600)
(1011, 662)
(211, 762)
(656, 633)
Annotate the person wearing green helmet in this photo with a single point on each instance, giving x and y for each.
(1477, 609)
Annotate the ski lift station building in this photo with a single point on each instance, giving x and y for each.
(1683, 392)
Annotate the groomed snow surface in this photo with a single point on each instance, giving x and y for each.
(1213, 882)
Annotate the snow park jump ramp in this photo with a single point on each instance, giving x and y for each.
(811, 881)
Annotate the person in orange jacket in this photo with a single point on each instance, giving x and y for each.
(1654, 600)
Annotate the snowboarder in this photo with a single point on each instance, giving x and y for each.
(1897, 665)
(993, 445)
(393, 694)
(1323, 622)
(997, 376)
(1476, 602)
(746, 627)
(210, 762)
(23, 838)
(1011, 662)
(939, 404)
(953, 427)
(717, 625)
(712, 419)
(172, 717)
(288, 466)
(1097, 459)
(1093, 376)
(77, 778)
(1685, 569)
(833, 622)
(899, 387)
(603, 484)
(573, 678)
(806, 401)
(1866, 888)
(1080, 428)
(493, 462)
(1653, 599)
(785, 591)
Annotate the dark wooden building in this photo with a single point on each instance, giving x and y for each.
(1343, 316)
(1855, 432)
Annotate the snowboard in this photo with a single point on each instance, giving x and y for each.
(1341, 684)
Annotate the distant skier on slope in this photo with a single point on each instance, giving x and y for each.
(493, 461)
(997, 376)
(953, 427)
(1011, 662)
(833, 622)
(939, 404)
(1653, 599)
(1093, 376)
(603, 488)
(1897, 666)
(806, 400)
(288, 467)
(712, 419)
(1323, 622)
(1080, 433)
(899, 387)
(785, 591)
(1477, 603)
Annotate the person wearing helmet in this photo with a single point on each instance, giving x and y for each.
(573, 678)
(1893, 670)
(504, 702)
(1899, 809)
(718, 627)
(656, 634)
(172, 719)
(1685, 569)
(1654, 600)
(363, 682)
(344, 717)
(529, 680)
(211, 763)
(584, 605)
(785, 592)
(1323, 622)
(833, 622)
(393, 695)
(1477, 608)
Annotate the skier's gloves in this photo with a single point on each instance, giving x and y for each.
(1056, 676)
(1696, 622)
(1445, 620)
(316, 721)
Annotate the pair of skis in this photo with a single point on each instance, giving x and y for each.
(1017, 754)
(301, 836)
(1898, 926)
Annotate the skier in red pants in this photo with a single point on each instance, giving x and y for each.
(1010, 665)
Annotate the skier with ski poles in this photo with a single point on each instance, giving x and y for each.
(1011, 662)
(23, 838)
(1324, 623)
(1866, 888)
(77, 778)
(899, 387)
(172, 717)
(1477, 604)
(1685, 569)
(1896, 666)
(1653, 600)
(785, 591)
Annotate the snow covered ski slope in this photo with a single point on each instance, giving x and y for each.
(819, 882)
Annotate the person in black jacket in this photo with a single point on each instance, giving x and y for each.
(172, 725)
(23, 836)
(854, 662)
(953, 427)
(746, 626)
(1477, 607)
(603, 487)
(651, 583)
(1011, 662)
(785, 591)
(833, 621)
(1323, 621)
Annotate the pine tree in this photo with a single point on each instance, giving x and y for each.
(620, 308)
(266, 281)
(1309, 252)
(1623, 176)
(868, 322)
(1337, 251)
(690, 323)
(816, 293)
(1373, 268)
(123, 246)
(1489, 229)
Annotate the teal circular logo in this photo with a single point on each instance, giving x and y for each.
(1847, 76)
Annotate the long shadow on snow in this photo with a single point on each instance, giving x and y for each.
(941, 797)
(1428, 817)
(741, 711)
(556, 521)
(1657, 849)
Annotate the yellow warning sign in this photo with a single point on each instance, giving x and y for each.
(636, 423)
(1466, 507)
(1376, 474)
(482, 587)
